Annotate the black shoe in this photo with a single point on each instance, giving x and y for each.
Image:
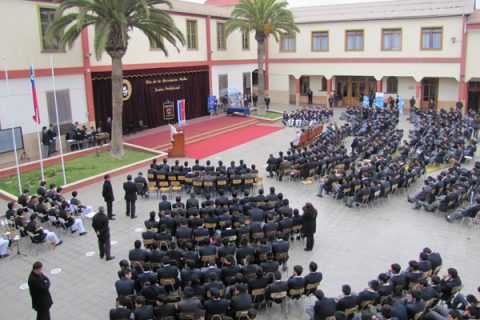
(73, 231)
(82, 233)
(112, 218)
(307, 249)
(110, 258)
(448, 218)
(319, 195)
(113, 214)
(59, 243)
(101, 256)
(133, 217)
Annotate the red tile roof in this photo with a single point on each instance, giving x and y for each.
(222, 3)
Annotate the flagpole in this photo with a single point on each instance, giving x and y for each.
(58, 121)
(38, 133)
(13, 129)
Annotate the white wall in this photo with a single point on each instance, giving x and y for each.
(235, 75)
(19, 108)
(447, 89)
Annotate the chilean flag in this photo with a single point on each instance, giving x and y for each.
(181, 112)
(36, 116)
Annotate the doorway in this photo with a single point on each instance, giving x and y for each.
(429, 91)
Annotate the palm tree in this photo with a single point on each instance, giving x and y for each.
(264, 18)
(112, 21)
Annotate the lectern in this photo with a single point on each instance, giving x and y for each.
(178, 146)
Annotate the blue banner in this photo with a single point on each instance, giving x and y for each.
(212, 104)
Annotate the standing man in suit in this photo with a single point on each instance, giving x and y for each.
(100, 225)
(107, 193)
(130, 196)
(309, 224)
(39, 286)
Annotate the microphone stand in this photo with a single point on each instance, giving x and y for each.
(18, 238)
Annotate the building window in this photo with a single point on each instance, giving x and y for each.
(221, 39)
(324, 84)
(64, 109)
(354, 40)
(46, 17)
(245, 39)
(192, 34)
(392, 85)
(287, 43)
(320, 41)
(431, 38)
(391, 39)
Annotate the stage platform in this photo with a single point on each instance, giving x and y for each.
(196, 130)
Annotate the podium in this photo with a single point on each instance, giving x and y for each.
(178, 146)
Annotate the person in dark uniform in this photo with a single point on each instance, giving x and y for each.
(39, 286)
(107, 193)
(130, 196)
(310, 96)
(100, 225)
(309, 224)
(119, 312)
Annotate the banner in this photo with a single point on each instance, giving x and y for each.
(366, 101)
(181, 112)
(36, 110)
(212, 104)
(379, 99)
(168, 110)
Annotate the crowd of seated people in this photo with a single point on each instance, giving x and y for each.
(220, 249)
(307, 117)
(414, 294)
(301, 163)
(30, 214)
(202, 179)
(441, 137)
(83, 137)
(447, 191)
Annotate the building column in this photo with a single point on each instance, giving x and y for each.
(329, 87)
(379, 85)
(267, 66)
(297, 95)
(418, 91)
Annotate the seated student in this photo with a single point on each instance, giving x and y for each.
(370, 293)
(314, 276)
(189, 303)
(77, 206)
(163, 308)
(216, 304)
(40, 234)
(142, 311)
(470, 212)
(347, 300)
(138, 254)
(142, 185)
(414, 303)
(323, 308)
(278, 285)
(75, 224)
(296, 280)
(119, 312)
(125, 286)
(241, 301)
(151, 223)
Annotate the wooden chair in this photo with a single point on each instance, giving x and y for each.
(310, 288)
(186, 315)
(241, 315)
(207, 259)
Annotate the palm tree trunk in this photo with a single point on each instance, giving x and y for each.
(116, 144)
(261, 76)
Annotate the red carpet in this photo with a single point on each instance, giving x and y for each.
(161, 136)
(207, 147)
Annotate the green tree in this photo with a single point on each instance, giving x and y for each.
(264, 18)
(112, 21)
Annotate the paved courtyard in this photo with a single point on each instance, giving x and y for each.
(351, 246)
